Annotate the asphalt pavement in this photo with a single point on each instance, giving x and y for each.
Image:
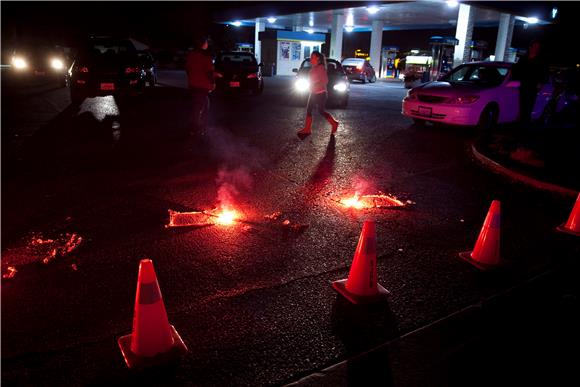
(253, 300)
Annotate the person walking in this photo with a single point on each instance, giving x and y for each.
(318, 93)
(200, 80)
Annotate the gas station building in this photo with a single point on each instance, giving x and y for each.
(285, 40)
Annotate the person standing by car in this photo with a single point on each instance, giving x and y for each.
(532, 72)
(318, 93)
(200, 79)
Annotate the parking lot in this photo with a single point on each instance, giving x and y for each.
(252, 301)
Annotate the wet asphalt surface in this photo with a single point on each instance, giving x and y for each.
(252, 301)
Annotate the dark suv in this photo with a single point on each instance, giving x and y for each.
(106, 66)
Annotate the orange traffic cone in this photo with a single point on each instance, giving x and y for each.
(361, 285)
(153, 341)
(572, 226)
(485, 254)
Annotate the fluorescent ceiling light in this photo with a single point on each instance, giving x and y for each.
(452, 3)
(373, 9)
(271, 19)
(237, 23)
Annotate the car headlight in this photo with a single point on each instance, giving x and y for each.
(340, 87)
(19, 63)
(57, 64)
(302, 85)
(465, 99)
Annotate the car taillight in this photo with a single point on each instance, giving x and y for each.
(359, 67)
(83, 69)
(218, 75)
(253, 75)
(131, 70)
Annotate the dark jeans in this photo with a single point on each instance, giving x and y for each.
(200, 102)
(528, 95)
(318, 100)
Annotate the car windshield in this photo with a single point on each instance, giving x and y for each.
(352, 62)
(332, 66)
(236, 59)
(102, 48)
(479, 75)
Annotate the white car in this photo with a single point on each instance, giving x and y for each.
(478, 94)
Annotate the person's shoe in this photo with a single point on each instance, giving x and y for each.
(334, 123)
(306, 130)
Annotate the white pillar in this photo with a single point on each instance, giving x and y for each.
(376, 45)
(504, 36)
(260, 26)
(463, 33)
(336, 36)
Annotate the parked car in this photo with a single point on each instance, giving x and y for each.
(559, 99)
(148, 63)
(106, 66)
(238, 71)
(38, 61)
(478, 94)
(338, 86)
(358, 69)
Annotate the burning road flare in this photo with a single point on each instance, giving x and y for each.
(379, 200)
(226, 217)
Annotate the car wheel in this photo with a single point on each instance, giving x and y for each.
(364, 80)
(373, 79)
(487, 119)
(259, 89)
(76, 98)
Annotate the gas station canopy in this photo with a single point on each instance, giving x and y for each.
(431, 14)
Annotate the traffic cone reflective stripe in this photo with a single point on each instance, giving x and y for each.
(572, 226)
(486, 254)
(151, 332)
(361, 285)
(153, 340)
(365, 261)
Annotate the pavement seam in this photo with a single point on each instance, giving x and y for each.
(498, 168)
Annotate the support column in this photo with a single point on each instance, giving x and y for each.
(463, 33)
(376, 45)
(505, 33)
(260, 27)
(336, 36)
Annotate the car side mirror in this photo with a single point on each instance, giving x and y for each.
(513, 84)
(294, 70)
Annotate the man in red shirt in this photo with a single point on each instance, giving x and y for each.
(199, 68)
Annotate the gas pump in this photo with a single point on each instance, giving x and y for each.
(388, 69)
(477, 50)
(442, 49)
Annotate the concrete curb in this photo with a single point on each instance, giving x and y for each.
(498, 168)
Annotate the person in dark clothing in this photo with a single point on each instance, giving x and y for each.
(531, 71)
(318, 94)
(200, 79)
